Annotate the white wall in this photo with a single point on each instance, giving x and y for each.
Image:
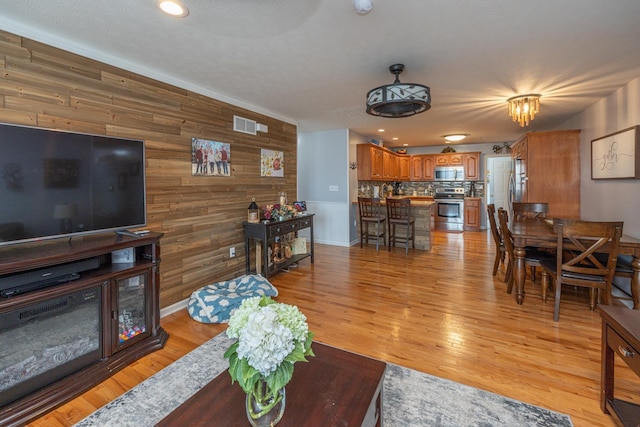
(323, 165)
(609, 199)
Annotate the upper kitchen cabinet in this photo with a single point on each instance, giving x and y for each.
(389, 166)
(547, 169)
(376, 164)
(471, 166)
(422, 167)
(404, 167)
(449, 159)
(370, 162)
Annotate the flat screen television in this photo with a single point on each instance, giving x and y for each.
(61, 184)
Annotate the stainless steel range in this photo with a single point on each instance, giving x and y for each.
(449, 214)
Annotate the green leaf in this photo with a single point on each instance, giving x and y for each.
(231, 350)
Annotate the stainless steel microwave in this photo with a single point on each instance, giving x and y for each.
(449, 173)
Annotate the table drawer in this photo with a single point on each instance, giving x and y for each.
(284, 228)
(629, 354)
(305, 223)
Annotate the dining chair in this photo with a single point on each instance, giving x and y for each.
(531, 210)
(576, 262)
(533, 258)
(497, 238)
(371, 213)
(623, 269)
(399, 214)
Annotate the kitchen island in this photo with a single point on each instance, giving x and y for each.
(423, 210)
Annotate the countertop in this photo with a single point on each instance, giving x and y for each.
(425, 201)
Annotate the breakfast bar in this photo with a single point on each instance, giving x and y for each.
(423, 210)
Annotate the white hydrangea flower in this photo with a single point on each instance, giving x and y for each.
(264, 341)
(240, 315)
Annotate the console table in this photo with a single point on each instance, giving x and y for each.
(265, 233)
(335, 388)
(620, 335)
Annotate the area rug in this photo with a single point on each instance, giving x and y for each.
(410, 398)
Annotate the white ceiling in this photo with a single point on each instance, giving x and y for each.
(312, 62)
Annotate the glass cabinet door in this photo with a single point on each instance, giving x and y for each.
(132, 316)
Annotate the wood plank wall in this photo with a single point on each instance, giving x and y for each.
(201, 216)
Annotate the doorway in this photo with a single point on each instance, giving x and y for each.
(496, 181)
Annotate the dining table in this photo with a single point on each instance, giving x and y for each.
(539, 233)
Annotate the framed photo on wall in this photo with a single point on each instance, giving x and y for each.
(271, 163)
(615, 156)
(210, 158)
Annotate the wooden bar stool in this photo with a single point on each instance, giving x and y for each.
(371, 213)
(399, 213)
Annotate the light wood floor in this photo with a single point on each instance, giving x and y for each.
(440, 312)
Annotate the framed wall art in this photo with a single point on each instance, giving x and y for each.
(210, 158)
(615, 156)
(271, 163)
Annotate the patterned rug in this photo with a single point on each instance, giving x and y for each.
(410, 398)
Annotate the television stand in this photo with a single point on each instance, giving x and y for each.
(128, 313)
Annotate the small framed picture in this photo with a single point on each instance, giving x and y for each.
(271, 163)
(300, 205)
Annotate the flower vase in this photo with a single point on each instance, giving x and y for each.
(265, 408)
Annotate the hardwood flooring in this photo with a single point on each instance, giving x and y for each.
(439, 312)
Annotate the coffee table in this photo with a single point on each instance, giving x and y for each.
(335, 388)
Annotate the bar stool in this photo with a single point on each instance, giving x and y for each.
(371, 213)
(399, 213)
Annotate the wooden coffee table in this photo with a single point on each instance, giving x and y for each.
(335, 388)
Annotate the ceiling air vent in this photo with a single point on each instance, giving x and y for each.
(240, 124)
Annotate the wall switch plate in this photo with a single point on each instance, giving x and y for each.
(334, 188)
(232, 252)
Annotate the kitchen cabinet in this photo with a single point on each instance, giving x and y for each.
(471, 166)
(379, 164)
(472, 213)
(389, 166)
(370, 162)
(422, 167)
(449, 159)
(404, 167)
(547, 170)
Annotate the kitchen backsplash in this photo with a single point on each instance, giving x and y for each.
(418, 188)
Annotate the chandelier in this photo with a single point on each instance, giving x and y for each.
(523, 108)
(398, 99)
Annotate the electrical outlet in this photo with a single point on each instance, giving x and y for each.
(232, 252)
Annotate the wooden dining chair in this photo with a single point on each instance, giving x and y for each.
(576, 262)
(371, 213)
(399, 214)
(624, 269)
(531, 210)
(532, 258)
(497, 238)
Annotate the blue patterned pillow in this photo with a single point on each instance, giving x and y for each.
(214, 303)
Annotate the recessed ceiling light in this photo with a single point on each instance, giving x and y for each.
(405, 145)
(173, 8)
(395, 138)
(455, 138)
(380, 130)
